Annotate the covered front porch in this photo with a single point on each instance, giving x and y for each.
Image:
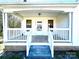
(38, 23)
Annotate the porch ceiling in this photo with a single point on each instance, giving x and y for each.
(43, 13)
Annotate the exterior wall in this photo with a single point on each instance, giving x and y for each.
(62, 21)
(66, 48)
(75, 29)
(44, 22)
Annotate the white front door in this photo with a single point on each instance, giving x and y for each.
(41, 25)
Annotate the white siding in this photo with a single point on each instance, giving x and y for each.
(75, 28)
(62, 21)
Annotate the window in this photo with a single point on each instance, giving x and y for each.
(25, 0)
(28, 23)
(50, 23)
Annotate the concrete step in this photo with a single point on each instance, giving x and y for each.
(40, 52)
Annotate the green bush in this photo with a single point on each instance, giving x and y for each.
(1, 25)
(1, 33)
(77, 54)
(15, 57)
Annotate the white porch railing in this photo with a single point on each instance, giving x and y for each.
(50, 41)
(58, 34)
(16, 34)
(61, 34)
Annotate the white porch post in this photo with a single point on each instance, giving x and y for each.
(70, 20)
(4, 26)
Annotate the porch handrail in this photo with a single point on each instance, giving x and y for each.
(51, 41)
(61, 34)
(29, 39)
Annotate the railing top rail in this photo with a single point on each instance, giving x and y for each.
(19, 29)
(58, 28)
(38, 31)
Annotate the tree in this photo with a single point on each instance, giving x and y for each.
(1, 24)
(13, 22)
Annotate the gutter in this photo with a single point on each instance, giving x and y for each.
(27, 3)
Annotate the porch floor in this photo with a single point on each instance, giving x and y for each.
(15, 42)
(20, 37)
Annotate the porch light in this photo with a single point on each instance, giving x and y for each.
(39, 14)
(25, 0)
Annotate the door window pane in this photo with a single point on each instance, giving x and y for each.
(39, 25)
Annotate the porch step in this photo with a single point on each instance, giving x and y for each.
(39, 39)
(39, 52)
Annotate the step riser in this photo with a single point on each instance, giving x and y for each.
(40, 57)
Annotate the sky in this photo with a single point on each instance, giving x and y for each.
(7, 0)
(40, 1)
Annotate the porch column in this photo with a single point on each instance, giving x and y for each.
(70, 20)
(75, 28)
(4, 15)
